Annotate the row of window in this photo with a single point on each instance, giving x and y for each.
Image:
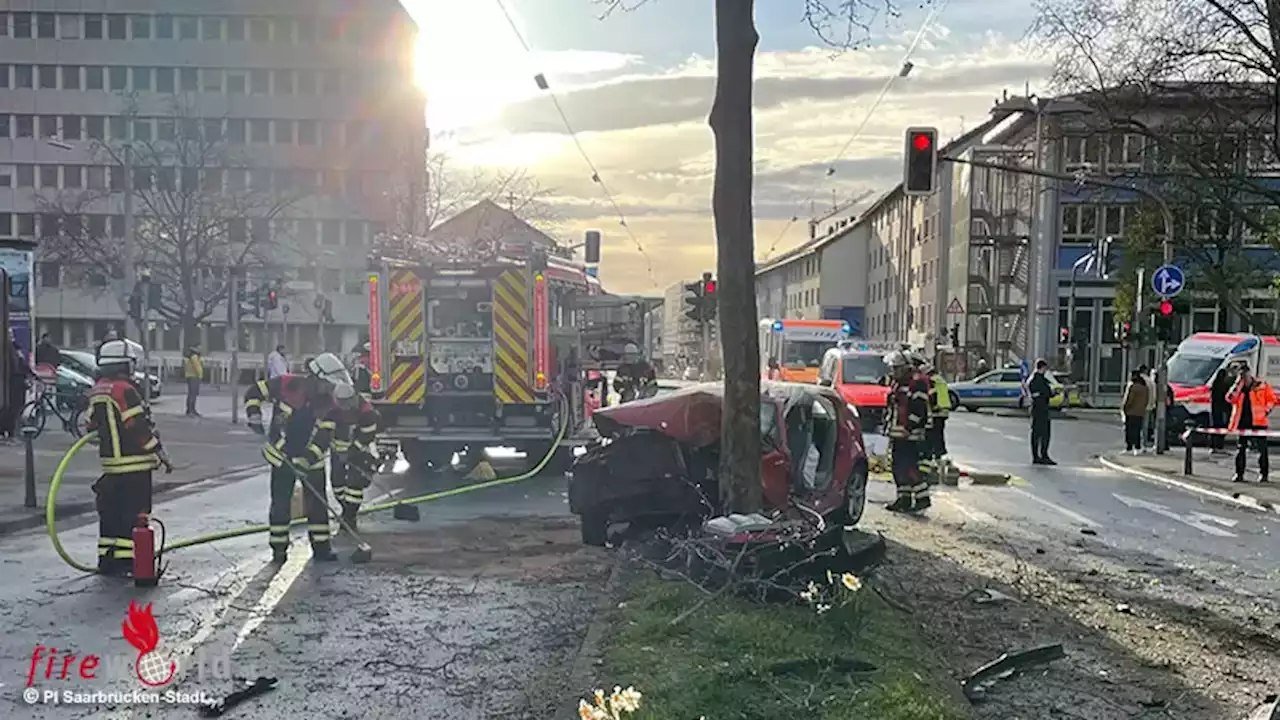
(234, 131)
(1127, 152)
(303, 232)
(120, 26)
(189, 181)
(281, 82)
(304, 338)
(1082, 224)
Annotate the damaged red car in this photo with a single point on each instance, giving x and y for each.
(657, 460)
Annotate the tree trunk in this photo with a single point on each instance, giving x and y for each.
(736, 40)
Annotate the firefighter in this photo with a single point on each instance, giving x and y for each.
(129, 449)
(907, 415)
(303, 421)
(633, 374)
(352, 463)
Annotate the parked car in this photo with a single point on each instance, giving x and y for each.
(1002, 389)
(84, 362)
(657, 460)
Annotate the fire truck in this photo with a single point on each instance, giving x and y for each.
(468, 353)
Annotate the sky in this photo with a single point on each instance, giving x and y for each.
(636, 86)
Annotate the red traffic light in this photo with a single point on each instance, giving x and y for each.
(921, 142)
(710, 286)
(1166, 308)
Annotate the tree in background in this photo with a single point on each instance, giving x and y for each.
(844, 24)
(1193, 86)
(200, 206)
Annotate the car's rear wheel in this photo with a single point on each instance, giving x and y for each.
(855, 496)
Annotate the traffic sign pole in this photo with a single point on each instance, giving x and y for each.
(1167, 281)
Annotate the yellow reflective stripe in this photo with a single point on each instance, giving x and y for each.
(105, 550)
(318, 527)
(273, 451)
(122, 554)
(369, 429)
(131, 413)
(106, 542)
(127, 460)
(124, 542)
(285, 410)
(150, 444)
(126, 469)
(327, 425)
(301, 463)
(253, 404)
(315, 450)
(114, 431)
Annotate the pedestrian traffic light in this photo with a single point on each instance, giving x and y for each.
(1064, 335)
(273, 299)
(1126, 334)
(955, 335)
(693, 298)
(920, 165)
(710, 301)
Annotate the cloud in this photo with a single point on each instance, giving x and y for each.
(645, 134)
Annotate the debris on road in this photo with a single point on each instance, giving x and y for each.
(987, 596)
(1007, 665)
(261, 686)
(1268, 710)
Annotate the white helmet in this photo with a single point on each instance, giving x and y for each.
(897, 359)
(631, 351)
(327, 367)
(117, 356)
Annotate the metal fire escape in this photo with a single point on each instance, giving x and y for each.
(999, 257)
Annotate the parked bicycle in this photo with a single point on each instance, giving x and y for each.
(67, 405)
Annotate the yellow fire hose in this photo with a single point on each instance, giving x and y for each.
(50, 514)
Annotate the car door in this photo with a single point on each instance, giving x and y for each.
(775, 460)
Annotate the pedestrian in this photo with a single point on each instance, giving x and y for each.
(193, 371)
(298, 444)
(129, 451)
(277, 363)
(1219, 408)
(47, 353)
(1133, 410)
(939, 411)
(1149, 376)
(907, 414)
(19, 373)
(1041, 392)
(1252, 400)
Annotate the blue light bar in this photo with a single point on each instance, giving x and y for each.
(848, 329)
(777, 326)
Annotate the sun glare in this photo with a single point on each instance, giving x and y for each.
(469, 62)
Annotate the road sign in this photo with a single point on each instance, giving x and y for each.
(1168, 281)
(955, 308)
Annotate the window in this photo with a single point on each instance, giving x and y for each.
(141, 27)
(70, 77)
(260, 230)
(73, 176)
(212, 28)
(188, 28)
(46, 26)
(93, 78)
(26, 126)
(1082, 150)
(332, 81)
(260, 131)
(48, 176)
(284, 132)
(284, 82)
(190, 180)
(93, 27)
(142, 129)
(306, 30)
(117, 29)
(260, 30)
(235, 29)
(307, 132)
(166, 179)
(211, 80)
(69, 27)
(166, 129)
(306, 82)
(118, 78)
(188, 80)
(164, 80)
(26, 225)
(6, 224)
(213, 129)
(236, 131)
(4, 76)
(260, 180)
(1079, 223)
(331, 232)
(119, 127)
(332, 281)
(259, 82)
(48, 77)
(142, 79)
(95, 127)
(212, 181)
(24, 76)
(237, 82)
(26, 176)
(5, 133)
(164, 27)
(355, 232)
(49, 126)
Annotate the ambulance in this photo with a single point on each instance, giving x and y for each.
(798, 346)
(858, 372)
(1192, 367)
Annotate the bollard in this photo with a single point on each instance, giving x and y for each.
(1188, 442)
(29, 475)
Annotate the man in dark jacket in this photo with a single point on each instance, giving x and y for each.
(47, 353)
(19, 372)
(1219, 408)
(1041, 392)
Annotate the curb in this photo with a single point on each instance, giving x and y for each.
(581, 673)
(1238, 500)
(66, 511)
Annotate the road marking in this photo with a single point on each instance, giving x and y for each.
(275, 592)
(986, 428)
(1067, 512)
(1245, 501)
(977, 516)
(1194, 520)
(1014, 438)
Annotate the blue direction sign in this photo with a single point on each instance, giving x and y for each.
(1168, 280)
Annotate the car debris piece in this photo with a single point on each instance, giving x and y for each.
(987, 596)
(258, 687)
(1268, 710)
(1088, 531)
(1007, 665)
(730, 525)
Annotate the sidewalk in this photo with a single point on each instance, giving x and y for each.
(200, 448)
(1211, 473)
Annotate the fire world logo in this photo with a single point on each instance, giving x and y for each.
(153, 667)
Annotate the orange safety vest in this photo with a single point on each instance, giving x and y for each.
(1262, 399)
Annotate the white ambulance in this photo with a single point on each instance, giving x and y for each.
(1192, 367)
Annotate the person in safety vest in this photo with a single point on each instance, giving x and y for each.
(129, 449)
(303, 423)
(939, 411)
(906, 417)
(1251, 401)
(352, 463)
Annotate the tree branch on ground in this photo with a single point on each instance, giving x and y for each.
(200, 206)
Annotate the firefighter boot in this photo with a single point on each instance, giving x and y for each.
(901, 505)
(279, 556)
(323, 552)
(921, 504)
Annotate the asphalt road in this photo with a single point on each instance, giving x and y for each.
(1127, 513)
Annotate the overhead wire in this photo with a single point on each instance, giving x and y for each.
(541, 81)
(884, 91)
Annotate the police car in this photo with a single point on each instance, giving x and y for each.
(1002, 389)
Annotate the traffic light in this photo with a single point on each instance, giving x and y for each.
(1064, 335)
(1165, 321)
(135, 304)
(1126, 334)
(273, 299)
(920, 165)
(955, 335)
(693, 298)
(710, 301)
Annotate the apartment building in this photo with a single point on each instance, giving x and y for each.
(316, 98)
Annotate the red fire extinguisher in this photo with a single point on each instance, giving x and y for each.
(146, 561)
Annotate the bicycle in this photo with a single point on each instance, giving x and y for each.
(67, 407)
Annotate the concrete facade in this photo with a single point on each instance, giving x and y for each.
(823, 277)
(318, 95)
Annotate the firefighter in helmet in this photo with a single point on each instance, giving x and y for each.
(632, 374)
(129, 449)
(906, 417)
(352, 463)
(305, 411)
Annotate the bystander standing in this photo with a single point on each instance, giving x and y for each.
(193, 372)
(1133, 411)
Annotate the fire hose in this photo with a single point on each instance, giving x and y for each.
(50, 512)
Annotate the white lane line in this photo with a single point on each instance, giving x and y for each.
(1066, 512)
(275, 592)
(1195, 520)
(989, 429)
(977, 516)
(1013, 438)
(1244, 501)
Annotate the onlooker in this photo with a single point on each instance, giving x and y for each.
(193, 371)
(277, 364)
(47, 353)
(19, 371)
(1219, 408)
(1252, 400)
(1133, 409)
(1041, 392)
